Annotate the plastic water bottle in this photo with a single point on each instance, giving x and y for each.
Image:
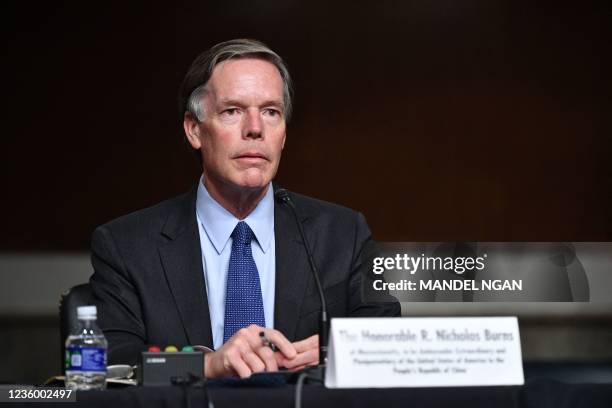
(86, 353)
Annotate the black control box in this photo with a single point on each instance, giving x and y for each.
(157, 368)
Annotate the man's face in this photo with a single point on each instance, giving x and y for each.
(243, 132)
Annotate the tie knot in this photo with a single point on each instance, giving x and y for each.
(242, 233)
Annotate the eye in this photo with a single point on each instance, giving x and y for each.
(230, 111)
(272, 112)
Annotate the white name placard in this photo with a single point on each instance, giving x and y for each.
(424, 352)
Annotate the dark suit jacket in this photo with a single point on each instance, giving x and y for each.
(148, 281)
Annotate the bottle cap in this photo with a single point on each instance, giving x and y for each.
(87, 312)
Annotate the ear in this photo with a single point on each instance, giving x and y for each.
(192, 130)
(284, 139)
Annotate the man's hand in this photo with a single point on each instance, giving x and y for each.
(244, 354)
(307, 354)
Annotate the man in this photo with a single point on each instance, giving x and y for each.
(225, 262)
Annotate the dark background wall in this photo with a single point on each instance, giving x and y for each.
(440, 120)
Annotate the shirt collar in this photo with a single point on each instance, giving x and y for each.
(220, 223)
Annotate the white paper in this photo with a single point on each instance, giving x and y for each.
(424, 352)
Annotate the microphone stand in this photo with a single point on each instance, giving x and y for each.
(317, 372)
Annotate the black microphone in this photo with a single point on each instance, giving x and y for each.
(283, 197)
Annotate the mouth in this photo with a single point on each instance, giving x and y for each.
(251, 156)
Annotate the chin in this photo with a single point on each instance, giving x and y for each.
(254, 181)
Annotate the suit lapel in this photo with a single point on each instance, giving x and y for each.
(181, 258)
(292, 273)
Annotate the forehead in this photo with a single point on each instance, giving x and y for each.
(246, 77)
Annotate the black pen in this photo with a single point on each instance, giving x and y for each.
(266, 341)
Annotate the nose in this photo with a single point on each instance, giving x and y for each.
(253, 125)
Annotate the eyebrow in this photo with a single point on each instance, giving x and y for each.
(229, 102)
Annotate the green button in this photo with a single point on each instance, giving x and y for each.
(187, 349)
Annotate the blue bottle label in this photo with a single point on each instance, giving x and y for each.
(85, 359)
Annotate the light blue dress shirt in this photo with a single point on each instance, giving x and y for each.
(215, 225)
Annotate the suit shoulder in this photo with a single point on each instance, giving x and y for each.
(148, 219)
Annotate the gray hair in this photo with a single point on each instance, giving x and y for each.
(200, 71)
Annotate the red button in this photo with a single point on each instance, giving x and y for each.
(154, 349)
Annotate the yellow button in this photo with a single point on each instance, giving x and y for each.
(170, 349)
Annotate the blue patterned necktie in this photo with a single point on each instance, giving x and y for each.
(243, 300)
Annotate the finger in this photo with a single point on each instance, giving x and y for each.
(305, 366)
(281, 343)
(238, 365)
(307, 344)
(268, 357)
(306, 358)
(298, 368)
(254, 362)
(310, 343)
(254, 353)
(280, 359)
(251, 335)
